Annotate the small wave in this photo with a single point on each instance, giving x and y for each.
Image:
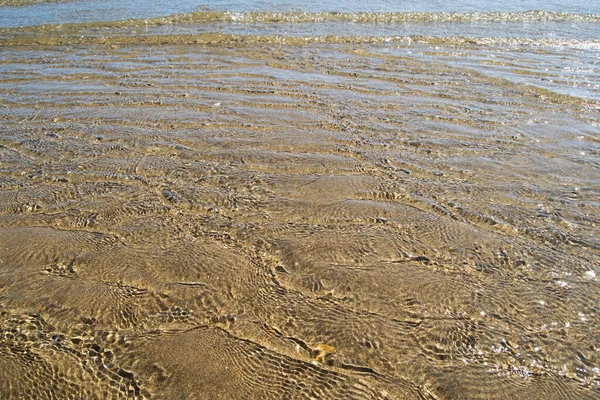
(75, 37)
(375, 17)
(319, 17)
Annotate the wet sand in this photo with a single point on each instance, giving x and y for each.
(17, 3)
(267, 221)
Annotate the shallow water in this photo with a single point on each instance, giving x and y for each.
(24, 13)
(197, 207)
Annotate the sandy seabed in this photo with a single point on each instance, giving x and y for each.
(269, 221)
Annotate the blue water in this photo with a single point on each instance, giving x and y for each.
(550, 44)
(112, 10)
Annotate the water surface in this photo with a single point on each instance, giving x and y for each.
(285, 200)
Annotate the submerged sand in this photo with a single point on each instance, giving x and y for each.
(266, 221)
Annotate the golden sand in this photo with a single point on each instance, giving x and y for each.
(318, 221)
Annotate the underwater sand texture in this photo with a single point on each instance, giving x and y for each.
(271, 222)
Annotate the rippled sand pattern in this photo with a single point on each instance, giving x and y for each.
(323, 221)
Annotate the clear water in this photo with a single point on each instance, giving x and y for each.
(569, 31)
(337, 200)
(111, 10)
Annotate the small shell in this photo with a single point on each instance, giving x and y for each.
(321, 350)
